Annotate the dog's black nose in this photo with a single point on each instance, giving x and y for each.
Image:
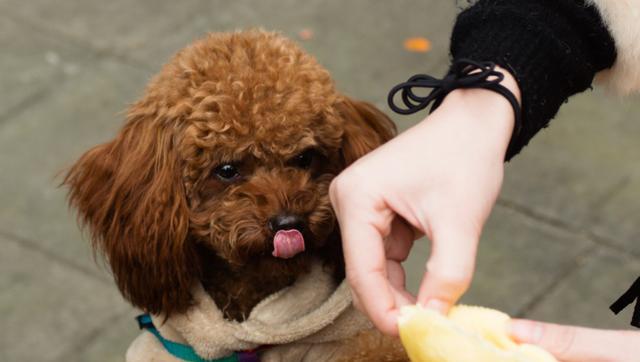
(286, 222)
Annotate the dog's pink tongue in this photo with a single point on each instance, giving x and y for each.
(287, 243)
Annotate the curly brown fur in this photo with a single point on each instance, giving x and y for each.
(372, 346)
(154, 201)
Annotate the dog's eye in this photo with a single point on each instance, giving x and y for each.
(227, 172)
(304, 159)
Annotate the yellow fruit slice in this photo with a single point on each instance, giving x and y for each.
(467, 334)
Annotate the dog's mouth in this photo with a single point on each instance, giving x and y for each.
(288, 243)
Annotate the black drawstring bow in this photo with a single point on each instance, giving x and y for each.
(464, 73)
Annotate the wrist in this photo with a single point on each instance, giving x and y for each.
(486, 113)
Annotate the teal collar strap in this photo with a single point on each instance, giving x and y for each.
(186, 352)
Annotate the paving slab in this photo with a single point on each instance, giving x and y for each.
(117, 25)
(585, 296)
(572, 167)
(360, 42)
(30, 66)
(47, 307)
(111, 344)
(619, 218)
(39, 143)
(518, 259)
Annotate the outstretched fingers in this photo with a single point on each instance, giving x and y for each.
(576, 344)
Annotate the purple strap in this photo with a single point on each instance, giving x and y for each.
(248, 356)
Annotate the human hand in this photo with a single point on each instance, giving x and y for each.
(440, 178)
(577, 344)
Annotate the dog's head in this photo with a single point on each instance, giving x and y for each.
(232, 147)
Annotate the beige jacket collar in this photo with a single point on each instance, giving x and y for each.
(312, 311)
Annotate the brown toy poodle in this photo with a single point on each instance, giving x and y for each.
(219, 178)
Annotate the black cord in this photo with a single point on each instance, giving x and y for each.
(460, 76)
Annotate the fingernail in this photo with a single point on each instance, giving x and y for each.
(526, 331)
(437, 305)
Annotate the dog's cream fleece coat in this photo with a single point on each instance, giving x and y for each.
(308, 321)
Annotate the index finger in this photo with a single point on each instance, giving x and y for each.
(367, 274)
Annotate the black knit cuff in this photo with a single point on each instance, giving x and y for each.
(552, 47)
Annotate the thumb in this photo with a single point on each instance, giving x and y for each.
(573, 344)
(449, 269)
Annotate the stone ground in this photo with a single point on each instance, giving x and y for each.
(560, 246)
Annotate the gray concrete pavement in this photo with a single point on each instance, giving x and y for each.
(561, 244)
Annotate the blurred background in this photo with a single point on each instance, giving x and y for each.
(561, 244)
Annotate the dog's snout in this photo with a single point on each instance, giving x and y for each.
(286, 222)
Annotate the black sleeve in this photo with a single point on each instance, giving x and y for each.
(552, 47)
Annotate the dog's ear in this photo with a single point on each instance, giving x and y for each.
(129, 193)
(365, 128)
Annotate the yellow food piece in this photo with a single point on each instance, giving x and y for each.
(467, 334)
